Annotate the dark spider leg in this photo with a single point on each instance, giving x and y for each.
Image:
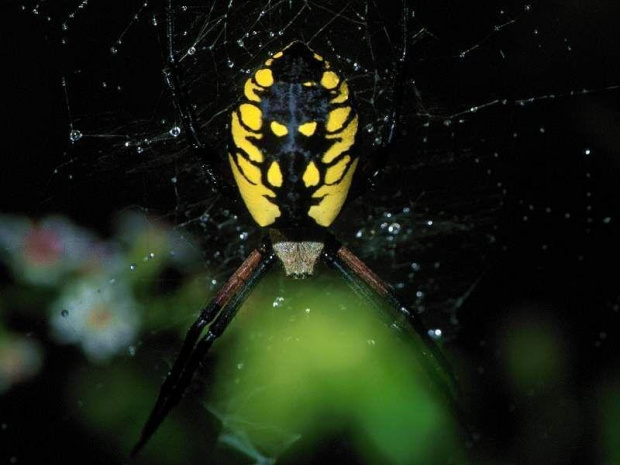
(379, 158)
(228, 300)
(171, 73)
(366, 283)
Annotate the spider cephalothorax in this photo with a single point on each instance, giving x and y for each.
(291, 144)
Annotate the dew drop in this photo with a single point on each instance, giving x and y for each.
(175, 131)
(394, 228)
(132, 351)
(133, 267)
(435, 333)
(64, 313)
(75, 135)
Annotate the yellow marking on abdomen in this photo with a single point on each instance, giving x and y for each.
(241, 138)
(264, 77)
(279, 129)
(342, 95)
(251, 116)
(344, 141)
(251, 172)
(333, 197)
(311, 176)
(250, 91)
(330, 80)
(262, 210)
(308, 129)
(334, 173)
(336, 119)
(274, 175)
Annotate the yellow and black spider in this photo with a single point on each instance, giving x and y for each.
(292, 152)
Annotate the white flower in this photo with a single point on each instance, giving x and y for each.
(98, 314)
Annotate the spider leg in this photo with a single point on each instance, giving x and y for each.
(172, 75)
(227, 301)
(371, 287)
(375, 162)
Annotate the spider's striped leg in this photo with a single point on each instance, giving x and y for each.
(172, 75)
(367, 284)
(227, 301)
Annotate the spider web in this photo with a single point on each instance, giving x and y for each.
(506, 152)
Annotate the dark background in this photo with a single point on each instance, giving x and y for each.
(545, 266)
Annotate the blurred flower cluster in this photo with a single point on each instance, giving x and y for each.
(74, 288)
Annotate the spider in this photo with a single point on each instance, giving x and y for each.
(293, 156)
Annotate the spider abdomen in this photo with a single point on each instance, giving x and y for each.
(292, 136)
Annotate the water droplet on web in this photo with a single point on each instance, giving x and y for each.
(133, 266)
(64, 313)
(113, 50)
(278, 302)
(175, 131)
(132, 351)
(394, 228)
(435, 333)
(75, 135)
